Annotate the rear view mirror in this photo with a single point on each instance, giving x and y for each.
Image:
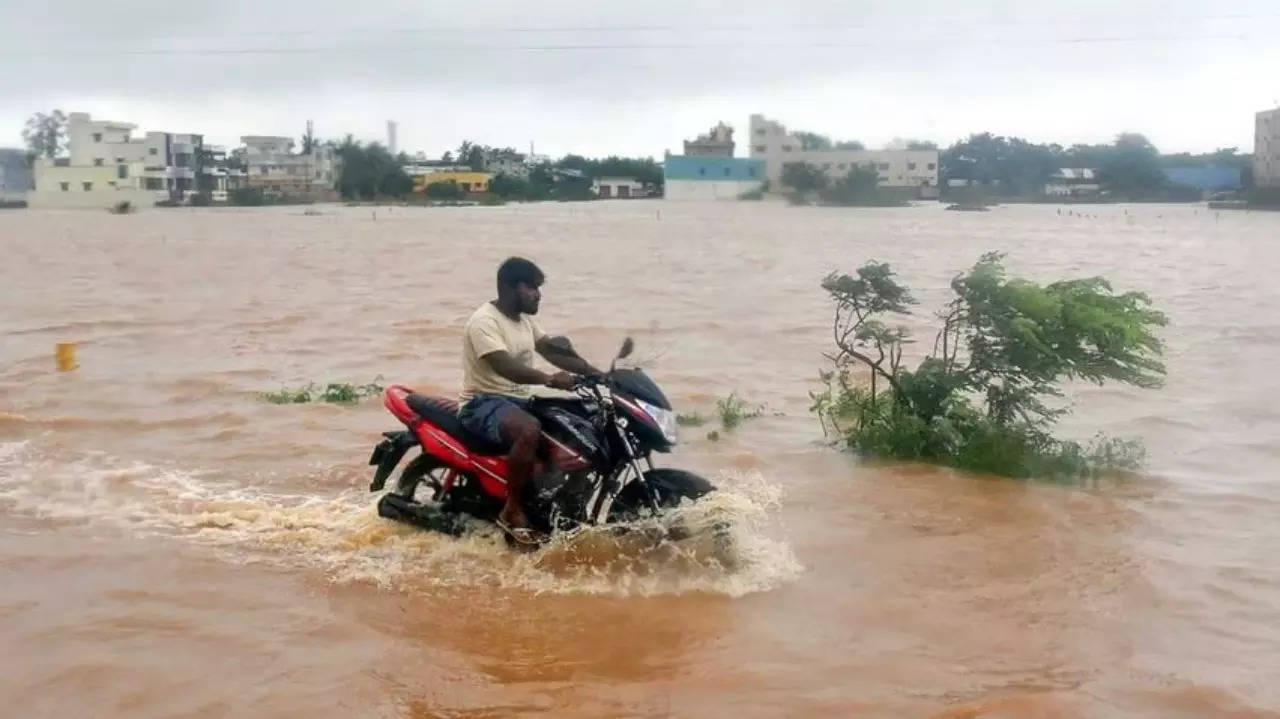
(628, 346)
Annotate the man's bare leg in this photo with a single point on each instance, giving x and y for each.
(524, 431)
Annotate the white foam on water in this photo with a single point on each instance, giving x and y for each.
(728, 545)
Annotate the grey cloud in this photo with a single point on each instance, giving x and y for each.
(660, 59)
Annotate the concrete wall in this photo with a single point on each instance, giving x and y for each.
(1266, 149)
(95, 200)
(57, 186)
(708, 189)
(771, 142)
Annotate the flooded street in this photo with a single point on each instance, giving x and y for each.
(171, 545)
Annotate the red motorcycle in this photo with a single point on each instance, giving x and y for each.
(594, 463)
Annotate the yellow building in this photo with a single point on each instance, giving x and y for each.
(468, 180)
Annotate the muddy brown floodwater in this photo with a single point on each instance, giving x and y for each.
(172, 546)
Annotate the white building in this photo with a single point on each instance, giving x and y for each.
(506, 162)
(717, 142)
(215, 177)
(1073, 182)
(106, 166)
(272, 166)
(621, 188)
(916, 170)
(1266, 149)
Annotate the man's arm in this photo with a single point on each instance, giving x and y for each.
(559, 352)
(504, 364)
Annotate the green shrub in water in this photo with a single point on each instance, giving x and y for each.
(690, 420)
(333, 393)
(981, 399)
(733, 411)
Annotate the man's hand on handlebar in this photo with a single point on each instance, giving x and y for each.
(563, 380)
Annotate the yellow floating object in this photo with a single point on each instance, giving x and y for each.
(65, 352)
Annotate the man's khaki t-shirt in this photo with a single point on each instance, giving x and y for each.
(490, 331)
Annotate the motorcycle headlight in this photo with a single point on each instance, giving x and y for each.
(665, 418)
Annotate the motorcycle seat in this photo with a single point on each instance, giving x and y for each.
(443, 413)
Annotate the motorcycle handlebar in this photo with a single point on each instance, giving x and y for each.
(588, 381)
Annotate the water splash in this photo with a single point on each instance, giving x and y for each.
(725, 544)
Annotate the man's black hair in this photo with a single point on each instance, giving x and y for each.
(516, 270)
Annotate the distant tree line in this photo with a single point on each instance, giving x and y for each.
(860, 187)
(369, 171)
(1129, 168)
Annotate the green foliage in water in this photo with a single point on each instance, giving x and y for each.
(690, 420)
(333, 393)
(733, 411)
(983, 399)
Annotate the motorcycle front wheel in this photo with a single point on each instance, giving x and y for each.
(672, 486)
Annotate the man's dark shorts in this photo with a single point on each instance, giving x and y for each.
(483, 414)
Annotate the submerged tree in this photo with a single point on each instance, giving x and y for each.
(45, 134)
(370, 171)
(983, 398)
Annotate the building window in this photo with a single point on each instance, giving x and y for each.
(786, 148)
(726, 172)
(263, 171)
(122, 172)
(97, 137)
(884, 166)
(760, 148)
(152, 151)
(932, 166)
(911, 165)
(841, 166)
(751, 171)
(760, 131)
(88, 186)
(97, 162)
(702, 171)
(66, 186)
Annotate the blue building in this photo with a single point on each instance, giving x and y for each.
(15, 176)
(1206, 178)
(710, 177)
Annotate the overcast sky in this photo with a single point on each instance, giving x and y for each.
(637, 78)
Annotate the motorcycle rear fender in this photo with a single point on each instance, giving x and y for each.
(387, 454)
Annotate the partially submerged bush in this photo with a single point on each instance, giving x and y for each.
(690, 420)
(333, 393)
(981, 399)
(733, 410)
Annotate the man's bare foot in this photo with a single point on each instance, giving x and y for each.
(513, 516)
(517, 529)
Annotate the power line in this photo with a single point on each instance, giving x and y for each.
(576, 47)
(967, 22)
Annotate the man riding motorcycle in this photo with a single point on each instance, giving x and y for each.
(497, 358)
